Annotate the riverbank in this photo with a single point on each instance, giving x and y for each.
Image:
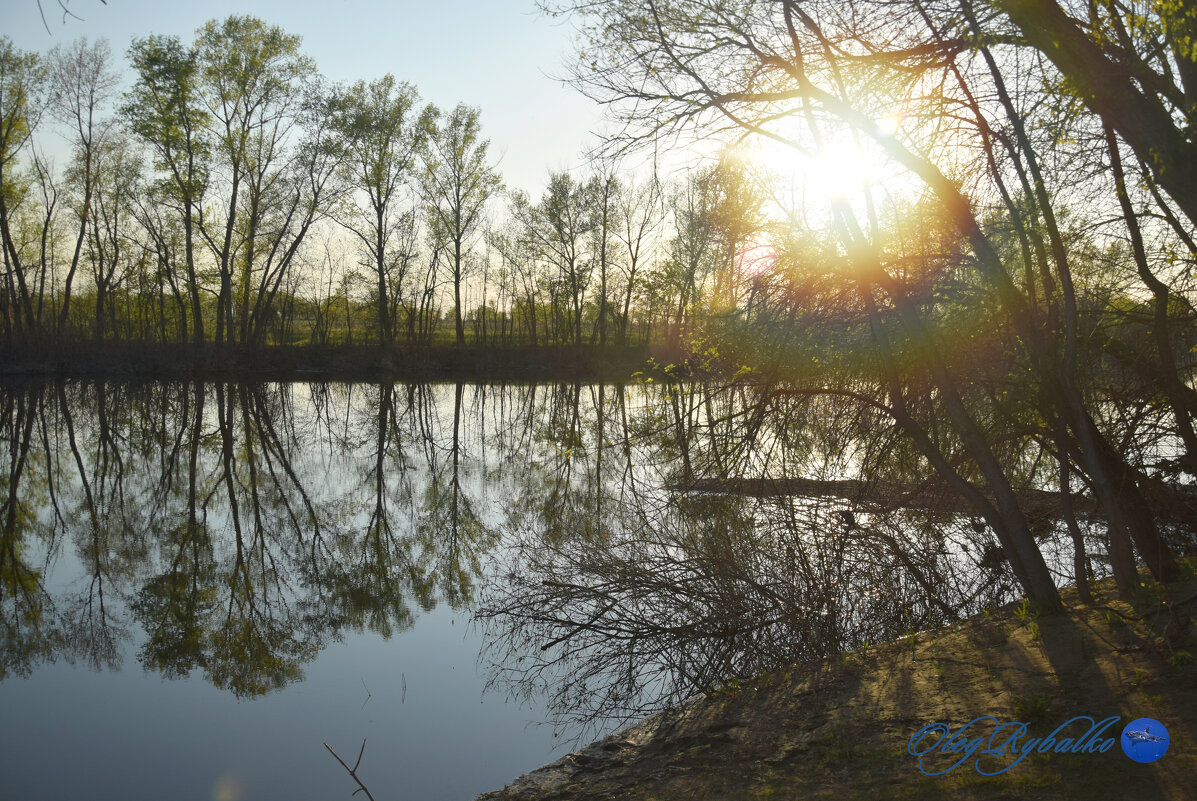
(841, 728)
(328, 363)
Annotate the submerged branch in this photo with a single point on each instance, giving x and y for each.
(883, 495)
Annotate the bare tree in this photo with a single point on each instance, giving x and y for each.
(641, 215)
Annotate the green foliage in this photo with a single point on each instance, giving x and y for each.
(22, 76)
(163, 109)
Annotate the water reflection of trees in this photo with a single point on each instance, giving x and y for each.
(641, 592)
(236, 530)
(229, 529)
(29, 637)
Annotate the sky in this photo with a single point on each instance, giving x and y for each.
(499, 55)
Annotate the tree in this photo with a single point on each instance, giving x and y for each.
(381, 135)
(790, 72)
(641, 213)
(292, 199)
(691, 258)
(252, 77)
(118, 174)
(21, 78)
(604, 192)
(81, 84)
(520, 258)
(163, 109)
(458, 181)
(736, 216)
(1136, 68)
(557, 229)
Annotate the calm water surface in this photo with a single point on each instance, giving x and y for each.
(201, 583)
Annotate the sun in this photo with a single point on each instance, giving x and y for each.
(830, 168)
(839, 169)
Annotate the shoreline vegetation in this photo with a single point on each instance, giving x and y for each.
(839, 727)
(367, 362)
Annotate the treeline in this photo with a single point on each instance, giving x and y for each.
(232, 195)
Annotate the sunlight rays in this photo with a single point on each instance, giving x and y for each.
(842, 168)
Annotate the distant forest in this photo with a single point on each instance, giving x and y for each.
(233, 196)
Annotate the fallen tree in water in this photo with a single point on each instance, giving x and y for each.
(881, 496)
(931, 496)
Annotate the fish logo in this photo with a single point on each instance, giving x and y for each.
(1145, 740)
(1144, 736)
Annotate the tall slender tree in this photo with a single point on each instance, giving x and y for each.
(382, 133)
(21, 79)
(641, 215)
(163, 109)
(458, 181)
(557, 229)
(81, 85)
(604, 192)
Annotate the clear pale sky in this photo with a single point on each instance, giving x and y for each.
(496, 54)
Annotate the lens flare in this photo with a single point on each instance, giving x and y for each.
(228, 788)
